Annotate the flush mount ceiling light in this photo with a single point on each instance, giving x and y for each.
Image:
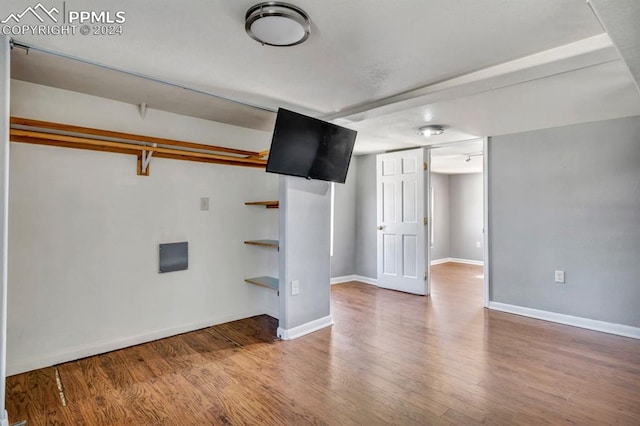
(277, 24)
(430, 130)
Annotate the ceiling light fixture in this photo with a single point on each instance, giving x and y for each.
(430, 130)
(277, 24)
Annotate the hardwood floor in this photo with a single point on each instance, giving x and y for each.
(390, 358)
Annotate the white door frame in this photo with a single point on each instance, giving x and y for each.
(427, 214)
(485, 233)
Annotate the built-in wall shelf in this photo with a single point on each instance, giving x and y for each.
(268, 282)
(264, 243)
(267, 204)
(265, 281)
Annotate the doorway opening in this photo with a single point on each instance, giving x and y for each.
(457, 246)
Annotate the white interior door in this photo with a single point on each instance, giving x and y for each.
(401, 213)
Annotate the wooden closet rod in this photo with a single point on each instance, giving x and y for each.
(31, 131)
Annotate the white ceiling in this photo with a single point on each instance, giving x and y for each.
(384, 68)
(458, 157)
(63, 73)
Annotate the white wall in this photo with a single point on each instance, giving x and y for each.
(5, 93)
(84, 231)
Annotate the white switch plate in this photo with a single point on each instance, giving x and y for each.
(478, 244)
(295, 287)
(204, 204)
(559, 276)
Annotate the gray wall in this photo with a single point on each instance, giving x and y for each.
(440, 248)
(343, 261)
(366, 245)
(568, 198)
(466, 216)
(459, 211)
(305, 213)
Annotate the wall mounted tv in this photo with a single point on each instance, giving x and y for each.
(310, 148)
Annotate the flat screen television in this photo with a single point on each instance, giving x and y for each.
(310, 148)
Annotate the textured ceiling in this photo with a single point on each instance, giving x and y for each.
(620, 18)
(384, 68)
(359, 50)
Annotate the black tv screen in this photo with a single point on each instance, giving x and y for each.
(310, 148)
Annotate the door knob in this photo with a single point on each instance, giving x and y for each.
(380, 228)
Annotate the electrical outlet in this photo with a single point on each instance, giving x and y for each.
(204, 204)
(295, 287)
(559, 276)
(478, 244)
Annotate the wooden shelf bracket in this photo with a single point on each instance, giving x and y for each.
(143, 170)
(268, 204)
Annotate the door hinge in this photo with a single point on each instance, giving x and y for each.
(424, 166)
(425, 221)
(425, 276)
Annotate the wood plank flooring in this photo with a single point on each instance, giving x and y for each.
(390, 358)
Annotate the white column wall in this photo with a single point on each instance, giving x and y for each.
(5, 78)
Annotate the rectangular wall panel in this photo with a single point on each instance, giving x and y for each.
(409, 165)
(389, 253)
(389, 202)
(389, 167)
(174, 257)
(409, 256)
(409, 201)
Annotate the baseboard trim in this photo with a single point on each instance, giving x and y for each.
(47, 360)
(301, 330)
(366, 280)
(590, 324)
(349, 278)
(457, 260)
(343, 279)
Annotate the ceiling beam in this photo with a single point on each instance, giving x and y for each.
(581, 54)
